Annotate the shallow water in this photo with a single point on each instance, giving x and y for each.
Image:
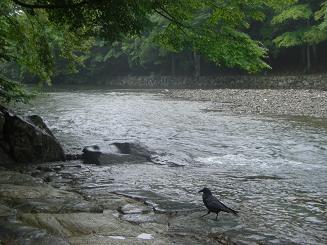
(273, 170)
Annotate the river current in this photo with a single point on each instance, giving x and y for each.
(272, 170)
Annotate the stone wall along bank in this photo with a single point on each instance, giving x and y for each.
(208, 82)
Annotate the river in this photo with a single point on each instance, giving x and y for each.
(272, 170)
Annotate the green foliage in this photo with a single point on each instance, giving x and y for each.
(32, 41)
(212, 28)
(23, 41)
(303, 29)
(217, 30)
(108, 19)
(33, 34)
(142, 49)
(290, 39)
(12, 91)
(296, 12)
(315, 35)
(36, 33)
(321, 15)
(234, 49)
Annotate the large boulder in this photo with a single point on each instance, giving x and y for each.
(27, 140)
(38, 122)
(5, 158)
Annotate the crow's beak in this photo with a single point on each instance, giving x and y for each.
(200, 191)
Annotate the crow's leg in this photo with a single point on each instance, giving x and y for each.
(217, 216)
(205, 214)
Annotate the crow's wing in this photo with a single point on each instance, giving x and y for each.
(214, 205)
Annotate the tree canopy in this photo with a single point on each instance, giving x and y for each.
(36, 33)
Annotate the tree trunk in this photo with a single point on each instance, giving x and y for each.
(308, 68)
(173, 65)
(197, 64)
(303, 56)
(314, 52)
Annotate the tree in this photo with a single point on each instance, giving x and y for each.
(299, 27)
(144, 50)
(321, 16)
(30, 40)
(213, 28)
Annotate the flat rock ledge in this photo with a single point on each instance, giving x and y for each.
(294, 102)
(69, 208)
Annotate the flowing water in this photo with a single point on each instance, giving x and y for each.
(273, 170)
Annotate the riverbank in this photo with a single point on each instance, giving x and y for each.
(290, 102)
(60, 203)
(313, 81)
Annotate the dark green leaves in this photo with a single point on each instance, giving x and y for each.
(301, 26)
(12, 91)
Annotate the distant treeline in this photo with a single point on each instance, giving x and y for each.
(49, 43)
(294, 37)
(283, 61)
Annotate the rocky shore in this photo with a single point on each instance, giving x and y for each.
(56, 203)
(70, 201)
(311, 103)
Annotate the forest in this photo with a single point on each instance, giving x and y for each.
(53, 42)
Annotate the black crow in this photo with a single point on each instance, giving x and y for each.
(213, 204)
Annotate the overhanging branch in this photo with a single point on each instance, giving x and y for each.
(49, 6)
(171, 19)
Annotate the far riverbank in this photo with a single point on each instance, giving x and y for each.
(311, 103)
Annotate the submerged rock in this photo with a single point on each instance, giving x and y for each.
(91, 154)
(114, 158)
(172, 159)
(135, 149)
(117, 153)
(130, 152)
(27, 140)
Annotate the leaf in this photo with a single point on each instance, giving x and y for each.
(289, 39)
(296, 12)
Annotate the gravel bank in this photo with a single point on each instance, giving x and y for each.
(312, 103)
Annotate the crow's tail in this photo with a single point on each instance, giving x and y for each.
(233, 212)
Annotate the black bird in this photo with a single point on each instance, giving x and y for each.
(213, 204)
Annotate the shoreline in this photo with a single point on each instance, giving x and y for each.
(286, 102)
(259, 81)
(54, 203)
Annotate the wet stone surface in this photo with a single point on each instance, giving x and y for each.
(66, 204)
